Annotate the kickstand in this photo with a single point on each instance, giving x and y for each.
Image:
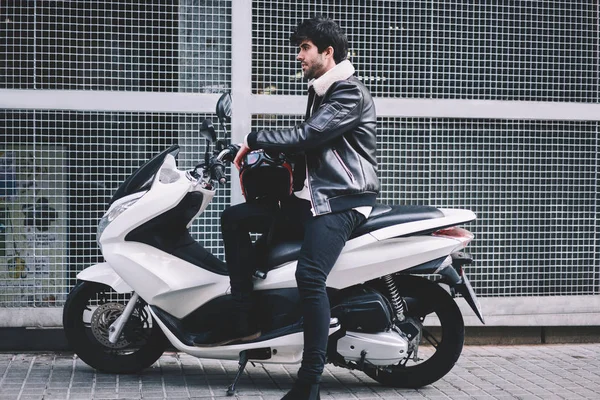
(242, 365)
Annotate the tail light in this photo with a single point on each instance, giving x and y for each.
(460, 234)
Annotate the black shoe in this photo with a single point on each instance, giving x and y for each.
(303, 391)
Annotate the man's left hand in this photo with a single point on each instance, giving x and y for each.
(240, 155)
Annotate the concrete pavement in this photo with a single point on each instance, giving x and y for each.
(567, 371)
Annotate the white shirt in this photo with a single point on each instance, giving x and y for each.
(305, 194)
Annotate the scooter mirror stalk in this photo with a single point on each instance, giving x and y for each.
(208, 131)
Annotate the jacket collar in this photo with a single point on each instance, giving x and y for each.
(341, 71)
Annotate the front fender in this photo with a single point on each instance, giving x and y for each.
(103, 273)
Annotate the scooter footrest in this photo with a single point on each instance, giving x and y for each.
(260, 274)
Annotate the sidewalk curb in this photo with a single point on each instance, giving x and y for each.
(53, 339)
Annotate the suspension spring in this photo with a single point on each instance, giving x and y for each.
(396, 299)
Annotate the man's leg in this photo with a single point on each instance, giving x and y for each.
(236, 224)
(325, 237)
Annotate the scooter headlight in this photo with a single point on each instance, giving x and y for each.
(111, 215)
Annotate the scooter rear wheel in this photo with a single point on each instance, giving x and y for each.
(440, 346)
(89, 311)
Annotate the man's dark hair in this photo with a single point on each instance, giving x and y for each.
(323, 32)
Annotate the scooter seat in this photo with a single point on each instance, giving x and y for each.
(381, 216)
(282, 253)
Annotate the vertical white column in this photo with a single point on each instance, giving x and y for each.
(241, 80)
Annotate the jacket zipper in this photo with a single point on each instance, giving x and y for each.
(343, 165)
(312, 201)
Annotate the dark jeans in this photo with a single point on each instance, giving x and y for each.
(324, 239)
(266, 217)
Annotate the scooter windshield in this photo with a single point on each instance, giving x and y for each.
(142, 178)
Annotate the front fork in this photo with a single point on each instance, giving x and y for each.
(116, 328)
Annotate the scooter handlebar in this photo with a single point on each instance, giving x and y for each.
(218, 172)
(217, 167)
(229, 153)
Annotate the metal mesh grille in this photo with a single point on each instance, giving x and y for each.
(543, 51)
(532, 185)
(59, 170)
(116, 45)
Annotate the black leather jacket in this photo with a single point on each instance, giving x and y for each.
(339, 144)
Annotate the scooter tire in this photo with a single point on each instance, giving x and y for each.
(92, 351)
(431, 298)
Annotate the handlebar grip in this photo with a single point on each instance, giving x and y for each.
(219, 174)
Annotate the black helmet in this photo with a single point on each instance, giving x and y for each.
(265, 175)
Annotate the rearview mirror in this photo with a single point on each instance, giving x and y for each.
(224, 107)
(208, 131)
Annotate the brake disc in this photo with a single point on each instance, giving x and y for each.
(104, 316)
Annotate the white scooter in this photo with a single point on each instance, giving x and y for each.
(391, 290)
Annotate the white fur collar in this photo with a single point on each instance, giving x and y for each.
(341, 71)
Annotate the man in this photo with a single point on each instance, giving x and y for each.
(335, 181)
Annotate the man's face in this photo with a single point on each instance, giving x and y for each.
(313, 63)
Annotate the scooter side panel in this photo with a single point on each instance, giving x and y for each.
(172, 284)
(285, 349)
(369, 261)
(104, 273)
(387, 257)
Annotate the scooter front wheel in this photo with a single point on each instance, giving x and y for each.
(89, 311)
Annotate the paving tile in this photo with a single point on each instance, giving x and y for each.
(545, 372)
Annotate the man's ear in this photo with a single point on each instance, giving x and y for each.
(329, 52)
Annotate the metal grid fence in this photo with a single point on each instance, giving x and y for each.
(59, 170)
(120, 45)
(532, 183)
(535, 51)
